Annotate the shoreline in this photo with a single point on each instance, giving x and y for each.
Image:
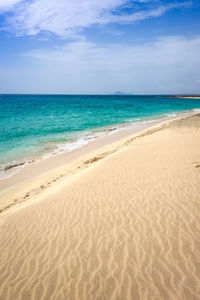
(185, 97)
(122, 222)
(122, 129)
(35, 179)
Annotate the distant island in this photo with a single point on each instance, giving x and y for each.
(119, 93)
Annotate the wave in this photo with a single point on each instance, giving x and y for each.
(196, 110)
(8, 170)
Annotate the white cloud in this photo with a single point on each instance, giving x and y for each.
(167, 65)
(6, 5)
(143, 14)
(64, 17)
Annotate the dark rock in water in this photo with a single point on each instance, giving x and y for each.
(14, 166)
(111, 129)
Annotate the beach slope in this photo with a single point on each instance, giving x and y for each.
(125, 227)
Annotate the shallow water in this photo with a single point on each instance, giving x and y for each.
(39, 125)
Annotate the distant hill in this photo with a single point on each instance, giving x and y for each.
(118, 93)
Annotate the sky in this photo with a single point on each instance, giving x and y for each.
(100, 46)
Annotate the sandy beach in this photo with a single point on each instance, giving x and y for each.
(120, 222)
(189, 97)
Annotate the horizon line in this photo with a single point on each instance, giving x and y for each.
(110, 94)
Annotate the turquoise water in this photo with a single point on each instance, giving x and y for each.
(32, 125)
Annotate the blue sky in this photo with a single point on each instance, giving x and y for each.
(100, 46)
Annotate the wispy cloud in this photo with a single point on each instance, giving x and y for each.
(144, 14)
(67, 17)
(6, 5)
(166, 65)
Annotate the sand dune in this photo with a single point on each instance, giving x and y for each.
(125, 227)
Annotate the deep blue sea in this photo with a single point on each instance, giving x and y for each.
(37, 125)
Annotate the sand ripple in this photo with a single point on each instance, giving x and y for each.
(127, 228)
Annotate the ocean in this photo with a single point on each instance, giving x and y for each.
(37, 126)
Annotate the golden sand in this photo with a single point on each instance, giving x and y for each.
(125, 226)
